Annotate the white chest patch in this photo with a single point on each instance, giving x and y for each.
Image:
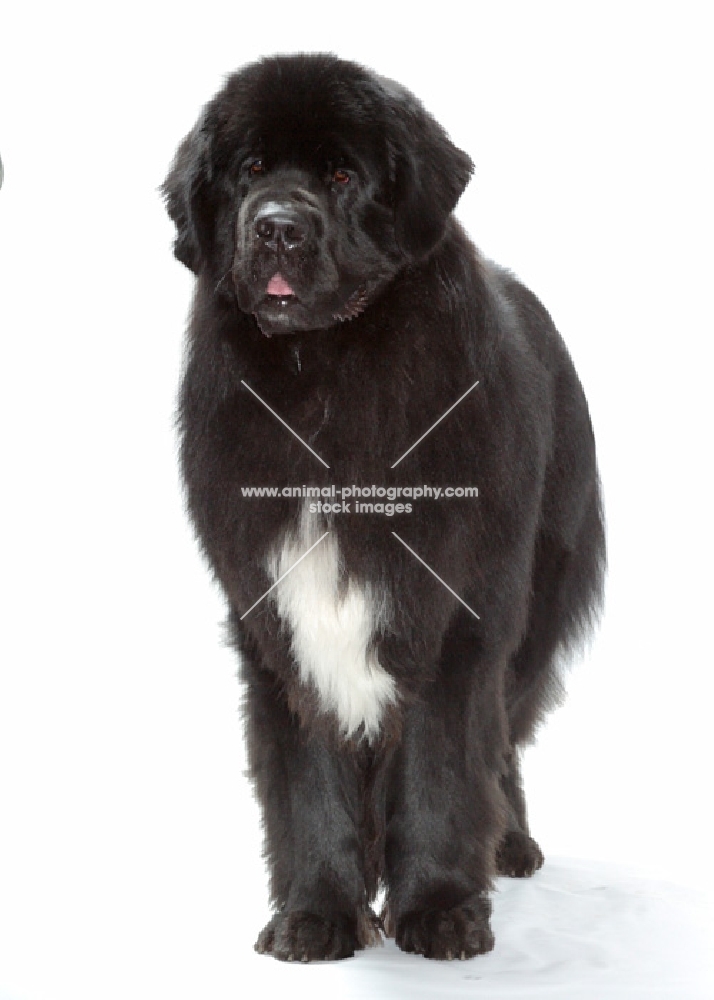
(332, 631)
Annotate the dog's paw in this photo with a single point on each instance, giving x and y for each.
(461, 932)
(299, 936)
(518, 855)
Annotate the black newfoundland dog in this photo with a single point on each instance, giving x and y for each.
(434, 540)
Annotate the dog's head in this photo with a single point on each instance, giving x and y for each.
(307, 183)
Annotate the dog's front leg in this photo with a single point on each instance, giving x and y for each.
(446, 810)
(309, 789)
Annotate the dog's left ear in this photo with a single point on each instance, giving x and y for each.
(186, 191)
(430, 173)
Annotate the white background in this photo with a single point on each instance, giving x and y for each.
(129, 842)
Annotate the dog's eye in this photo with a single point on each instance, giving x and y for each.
(340, 176)
(256, 167)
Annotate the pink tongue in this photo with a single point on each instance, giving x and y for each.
(279, 286)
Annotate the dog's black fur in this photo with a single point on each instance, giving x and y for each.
(393, 316)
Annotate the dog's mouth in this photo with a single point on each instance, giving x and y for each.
(279, 293)
(280, 308)
(279, 288)
(276, 310)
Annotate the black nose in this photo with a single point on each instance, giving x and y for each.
(276, 224)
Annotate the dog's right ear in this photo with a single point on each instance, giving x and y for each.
(186, 192)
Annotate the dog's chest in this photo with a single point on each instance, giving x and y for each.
(333, 627)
